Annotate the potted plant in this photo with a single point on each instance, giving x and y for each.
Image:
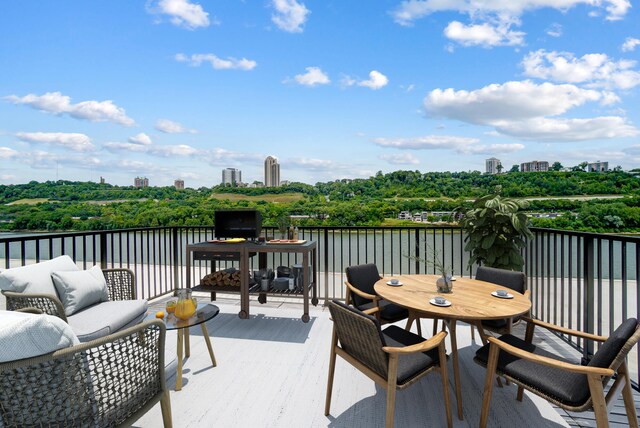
(496, 230)
(445, 282)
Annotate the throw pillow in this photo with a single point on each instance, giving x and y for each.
(80, 289)
(35, 278)
(24, 335)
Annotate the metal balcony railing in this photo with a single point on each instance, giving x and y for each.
(583, 281)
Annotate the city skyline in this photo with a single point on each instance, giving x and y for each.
(183, 89)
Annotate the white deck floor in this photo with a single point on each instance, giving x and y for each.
(272, 372)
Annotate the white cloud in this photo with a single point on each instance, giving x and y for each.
(430, 142)
(630, 44)
(412, 10)
(217, 63)
(141, 138)
(508, 101)
(312, 164)
(313, 77)
(485, 35)
(58, 104)
(184, 13)
(7, 177)
(71, 141)
(40, 159)
(400, 159)
(554, 30)
(376, 80)
(289, 15)
(113, 146)
(170, 127)
(595, 70)
(522, 110)
(7, 153)
(563, 130)
(462, 145)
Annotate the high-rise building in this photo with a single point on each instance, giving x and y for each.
(178, 184)
(598, 166)
(231, 177)
(492, 165)
(271, 172)
(141, 182)
(534, 166)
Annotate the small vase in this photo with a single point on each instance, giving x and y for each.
(444, 284)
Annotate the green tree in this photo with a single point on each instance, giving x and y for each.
(557, 166)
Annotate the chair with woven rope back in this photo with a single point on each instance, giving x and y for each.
(111, 381)
(516, 281)
(569, 385)
(361, 294)
(393, 358)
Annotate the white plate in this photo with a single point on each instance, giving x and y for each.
(453, 278)
(397, 284)
(508, 296)
(444, 305)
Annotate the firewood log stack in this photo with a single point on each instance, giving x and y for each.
(226, 277)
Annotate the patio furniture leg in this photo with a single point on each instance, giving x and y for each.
(520, 393)
(442, 352)
(599, 403)
(410, 320)
(332, 369)
(492, 363)
(391, 390)
(454, 360)
(165, 407)
(627, 395)
(207, 340)
(187, 345)
(179, 373)
(435, 326)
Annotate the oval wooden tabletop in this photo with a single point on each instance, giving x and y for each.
(470, 300)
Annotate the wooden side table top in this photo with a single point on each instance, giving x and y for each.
(470, 300)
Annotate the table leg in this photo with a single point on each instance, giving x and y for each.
(179, 372)
(454, 360)
(187, 345)
(483, 336)
(307, 283)
(205, 333)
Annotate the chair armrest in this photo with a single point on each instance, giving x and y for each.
(362, 294)
(35, 311)
(110, 381)
(428, 344)
(47, 303)
(121, 283)
(372, 311)
(575, 368)
(564, 330)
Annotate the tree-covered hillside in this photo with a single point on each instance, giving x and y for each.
(65, 205)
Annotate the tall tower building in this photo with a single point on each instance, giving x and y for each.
(492, 165)
(178, 184)
(140, 182)
(231, 177)
(271, 172)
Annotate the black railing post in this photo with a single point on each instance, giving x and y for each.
(103, 249)
(176, 268)
(326, 266)
(589, 293)
(417, 245)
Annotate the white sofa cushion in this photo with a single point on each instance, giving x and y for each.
(80, 289)
(106, 318)
(24, 335)
(35, 278)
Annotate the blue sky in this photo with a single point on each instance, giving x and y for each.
(172, 89)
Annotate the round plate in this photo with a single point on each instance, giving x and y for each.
(453, 278)
(444, 305)
(397, 284)
(508, 296)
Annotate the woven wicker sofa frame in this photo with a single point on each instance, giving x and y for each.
(121, 285)
(111, 381)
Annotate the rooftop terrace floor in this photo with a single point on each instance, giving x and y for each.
(272, 372)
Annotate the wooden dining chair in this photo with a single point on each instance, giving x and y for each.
(516, 281)
(570, 386)
(361, 294)
(393, 358)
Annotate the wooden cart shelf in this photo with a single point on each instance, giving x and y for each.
(242, 252)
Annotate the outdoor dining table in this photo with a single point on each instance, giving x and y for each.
(471, 302)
